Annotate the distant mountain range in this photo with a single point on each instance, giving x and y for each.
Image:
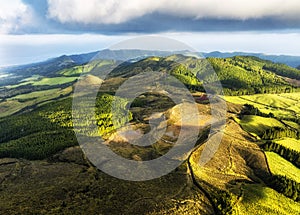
(67, 61)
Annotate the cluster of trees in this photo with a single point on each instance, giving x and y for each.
(38, 134)
(39, 145)
(251, 110)
(262, 89)
(191, 76)
(48, 129)
(293, 119)
(223, 201)
(104, 116)
(284, 185)
(18, 126)
(186, 76)
(289, 154)
(278, 132)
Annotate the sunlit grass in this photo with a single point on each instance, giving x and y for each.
(295, 108)
(77, 70)
(36, 94)
(258, 124)
(294, 96)
(290, 143)
(38, 81)
(10, 107)
(280, 166)
(273, 100)
(54, 81)
(17, 103)
(292, 124)
(261, 200)
(281, 105)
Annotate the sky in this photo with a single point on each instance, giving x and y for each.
(35, 30)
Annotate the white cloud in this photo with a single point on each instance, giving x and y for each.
(14, 14)
(119, 11)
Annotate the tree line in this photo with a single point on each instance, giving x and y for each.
(38, 146)
(289, 154)
(278, 133)
(251, 110)
(284, 185)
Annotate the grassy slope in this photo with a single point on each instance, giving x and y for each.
(247, 75)
(292, 124)
(54, 81)
(281, 105)
(261, 200)
(290, 143)
(257, 124)
(225, 169)
(36, 94)
(77, 70)
(280, 166)
(40, 81)
(19, 102)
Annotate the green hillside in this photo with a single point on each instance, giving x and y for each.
(238, 75)
(250, 75)
(280, 166)
(257, 125)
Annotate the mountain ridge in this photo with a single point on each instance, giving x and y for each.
(293, 61)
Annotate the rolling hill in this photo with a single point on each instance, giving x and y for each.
(68, 61)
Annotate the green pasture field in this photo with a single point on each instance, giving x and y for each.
(257, 124)
(261, 200)
(281, 105)
(280, 166)
(290, 143)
